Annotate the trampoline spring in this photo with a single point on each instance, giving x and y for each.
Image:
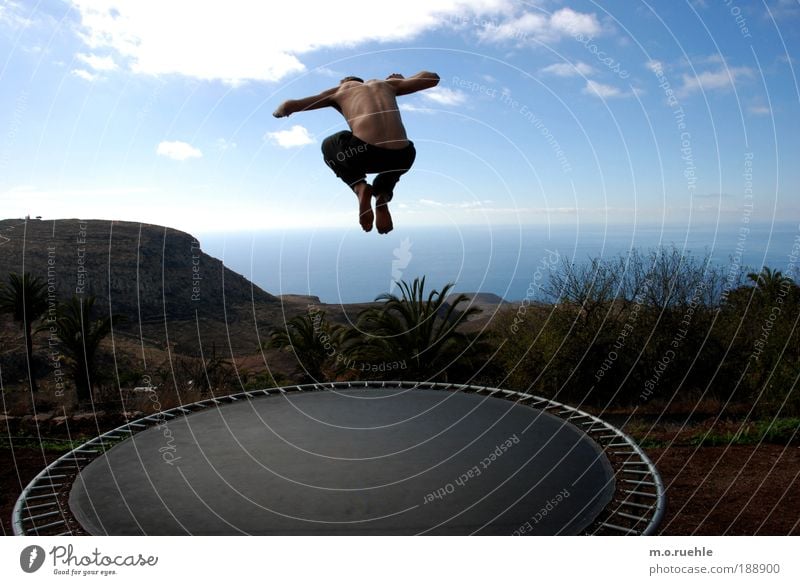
(628, 453)
(638, 493)
(47, 487)
(51, 525)
(632, 517)
(638, 505)
(639, 482)
(636, 471)
(619, 528)
(67, 533)
(137, 425)
(38, 516)
(618, 445)
(86, 451)
(603, 437)
(49, 476)
(51, 496)
(635, 463)
(40, 506)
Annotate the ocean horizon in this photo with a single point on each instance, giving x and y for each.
(349, 266)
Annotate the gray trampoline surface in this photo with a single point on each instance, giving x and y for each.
(368, 461)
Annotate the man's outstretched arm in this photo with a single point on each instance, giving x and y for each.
(314, 102)
(418, 82)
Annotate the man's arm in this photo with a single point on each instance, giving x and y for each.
(418, 82)
(314, 102)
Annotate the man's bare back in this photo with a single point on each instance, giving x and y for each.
(371, 112)
(377, 140)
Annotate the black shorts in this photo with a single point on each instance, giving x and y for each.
(351, 159)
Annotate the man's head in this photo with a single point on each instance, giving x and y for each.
(351, 78)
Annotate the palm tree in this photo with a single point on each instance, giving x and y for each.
(317, 344)
(80, 339)
(417, 331)
(25, 299)
(769, 282)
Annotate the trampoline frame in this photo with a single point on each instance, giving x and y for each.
(637, 507)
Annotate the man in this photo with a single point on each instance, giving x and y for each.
(376, 141)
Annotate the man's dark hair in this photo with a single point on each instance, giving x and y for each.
(352, 78)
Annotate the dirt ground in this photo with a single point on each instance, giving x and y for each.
(734, 490)
(730, 490)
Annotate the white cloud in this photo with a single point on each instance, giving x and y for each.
(83, 74)
(295, 136)
(235, 41)
(406, 107)
(11, 15)
(713, 80)
(602, 90)
(542, 27)
(96, 62)
(224, 144)
(759, 110)
(568, 69)
(654, 66)
(445, 96)
(178, 150)
(454, 205)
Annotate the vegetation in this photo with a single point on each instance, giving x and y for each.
(648, 331)
(418, 333)
(25, 299)
(80, 339)
(661, 327)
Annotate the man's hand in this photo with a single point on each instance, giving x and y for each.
(283, 110)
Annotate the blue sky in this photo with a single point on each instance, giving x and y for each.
(551, 111)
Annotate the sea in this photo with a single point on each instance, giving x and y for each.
(513, 262)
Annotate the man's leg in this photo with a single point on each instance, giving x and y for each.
(383, 187)
(342, 156)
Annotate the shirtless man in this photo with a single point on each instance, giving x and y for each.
(376, 141)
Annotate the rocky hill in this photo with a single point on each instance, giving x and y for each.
(157, 277)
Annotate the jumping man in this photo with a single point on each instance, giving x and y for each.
(376, 141)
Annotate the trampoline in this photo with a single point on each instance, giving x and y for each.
(352, 458)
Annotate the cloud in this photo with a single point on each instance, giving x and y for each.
(539, 26)
(759, 110)
(295, 136)
(235, 41)
(445, 96)
(11, 15)
(178, 150)
(721, 79)
(783, 10)
(654, 66)
(223, 144)
(406, 107)
(568, 69)
(96, 62)
(602, 90)
(456, 205)
(83, 74)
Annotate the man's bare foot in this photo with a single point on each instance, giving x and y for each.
(364, 193)
(383, 219)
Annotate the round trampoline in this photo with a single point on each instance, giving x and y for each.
(353, 458)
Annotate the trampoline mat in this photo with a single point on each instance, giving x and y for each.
(367, 461)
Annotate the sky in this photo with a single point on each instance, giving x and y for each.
(681, 112)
